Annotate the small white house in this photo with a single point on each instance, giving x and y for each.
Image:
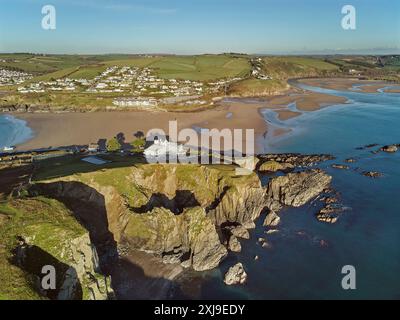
(163, 147)
(9, 149)
(93, 147)
(136, 102)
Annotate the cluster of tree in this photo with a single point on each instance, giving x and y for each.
(115, 144)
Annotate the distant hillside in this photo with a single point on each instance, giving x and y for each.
(168, 75)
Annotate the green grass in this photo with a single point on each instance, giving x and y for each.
(55, 75)
(39, 64)
(88, 72)
(201, 68)
(288, 67)
(47, 223)
(255, 87)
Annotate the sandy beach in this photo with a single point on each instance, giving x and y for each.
(393, 90)
(64, 129)
(52, 130)
(366, 86)
(305, 101)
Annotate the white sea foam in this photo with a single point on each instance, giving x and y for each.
(13, 131)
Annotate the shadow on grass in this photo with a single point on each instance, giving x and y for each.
(32, 259)
(89, 208)
(73, 164)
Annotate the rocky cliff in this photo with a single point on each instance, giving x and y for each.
(296, 189)
(42, 232)
(174, 211)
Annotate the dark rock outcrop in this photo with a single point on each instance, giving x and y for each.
(296, 189)
(271, 220)
(234, 244)
(390, 149)
(372, 174)
(273, 166)
(235, 275)
(329, 214)
(239, 232)
(290, 160)
(163, 233)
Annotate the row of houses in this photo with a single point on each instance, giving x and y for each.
(139, 102)
(143, 82)
(63, 84)
(10, 77)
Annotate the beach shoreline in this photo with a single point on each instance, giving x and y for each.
(350, 84)
(65, 129)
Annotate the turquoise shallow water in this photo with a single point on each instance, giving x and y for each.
(13, 131)
(367, 235)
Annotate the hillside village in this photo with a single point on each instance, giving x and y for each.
(11, 77)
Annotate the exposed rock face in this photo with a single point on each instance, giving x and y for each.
(169, 210)
(225, 196)
(239, 232)
(271, 220)
(76, 266)
(240, 204)
(192, 232)
(101, 212)
(328, 214)
(273, 166)
(332, 209)
(234, 244)
(235, 275)
(249, 225)
(295, 159)
(249, 163)
(296, 189)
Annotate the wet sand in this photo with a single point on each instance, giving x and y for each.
(307, 101)
(393, 90)
(287, 114)
(367, 86)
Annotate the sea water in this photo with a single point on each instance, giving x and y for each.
(307, 256)
(13, 131)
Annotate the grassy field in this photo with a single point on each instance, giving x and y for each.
(62, 100)
(205, 68)
(202, 68)
(49, 221)
(255, 88)
(41, 64)
(287, 67)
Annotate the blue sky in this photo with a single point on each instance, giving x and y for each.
(199, 26)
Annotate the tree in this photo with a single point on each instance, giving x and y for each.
(139, 135)
(138, 145)
(113, 145)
